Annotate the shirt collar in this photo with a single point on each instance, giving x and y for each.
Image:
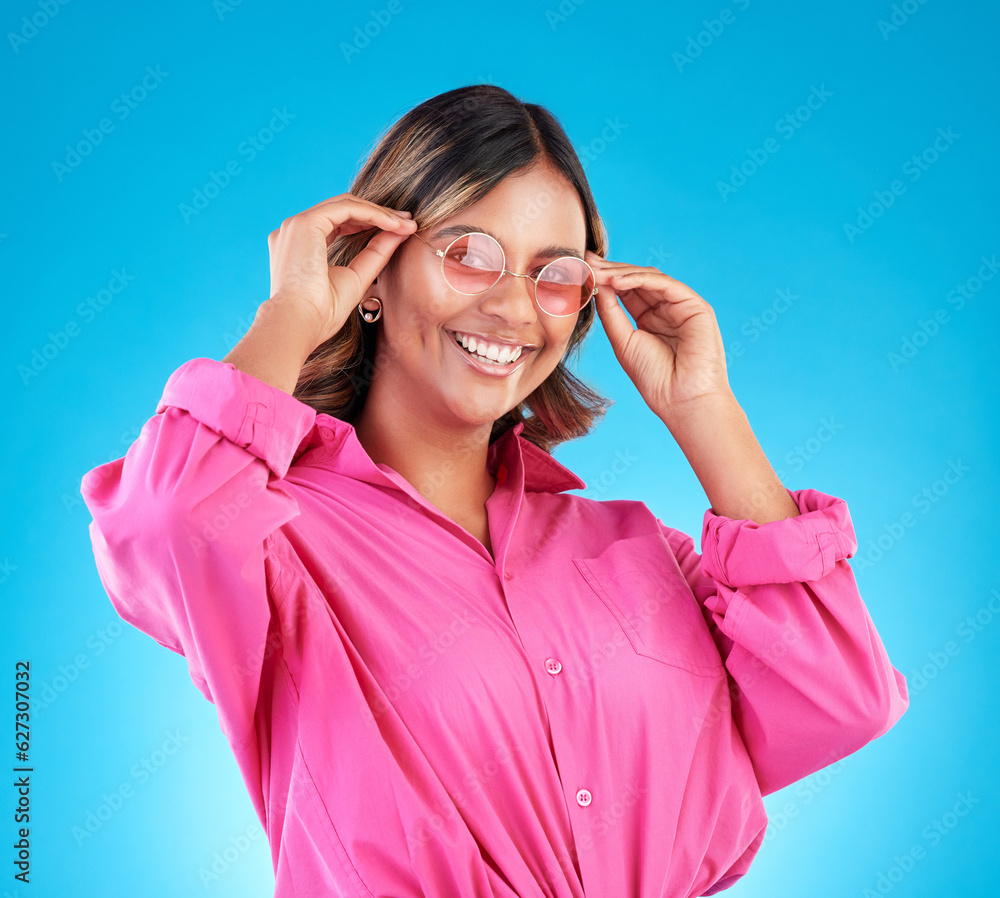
(338, 447)
(542, 473)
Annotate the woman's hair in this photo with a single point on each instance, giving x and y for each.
(440, 157)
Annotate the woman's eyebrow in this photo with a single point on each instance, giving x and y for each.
(551, 251)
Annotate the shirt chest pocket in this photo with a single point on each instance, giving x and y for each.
(639, 582)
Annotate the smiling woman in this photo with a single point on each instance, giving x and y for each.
(440, 672)
(473, 159)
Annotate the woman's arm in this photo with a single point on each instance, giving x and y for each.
(716, 438)
(310, 299)
(810, 679)
(274, 349)
(676, 358)
(181, 525)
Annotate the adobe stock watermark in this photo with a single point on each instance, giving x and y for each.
(249, 148)
(933, 834)
(377, 21)
(699, 42)
(562, 12)
(765, 493)
(809, 448)
(657, 256)
(224, 8)
(87, 311)
(757, 325)
(46, 12)
(927, 329)
(68, 673)
(567, 861)
(599, 485)
(122, 106)
(473, 780)
(894, 531)
(232, 337)
(141, 772)
(223, 861)
(609, 134)
(72, 501)
(973, 624)
(215, 521)
(601, 654)
(530, 549)
(6, 569)
(787, 127)
(762, 662)
(901, 14)
(914, 168)
(333, 578)
(439, 645)
(530, 211)
(600, 824)
(806, 791)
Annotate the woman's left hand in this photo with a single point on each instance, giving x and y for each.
(675, 355)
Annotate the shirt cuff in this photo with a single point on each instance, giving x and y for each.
(792, 550)
(262, 419)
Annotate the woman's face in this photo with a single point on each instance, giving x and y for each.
(420, 365)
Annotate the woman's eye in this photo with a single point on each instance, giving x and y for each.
(469, 259)
(557, 276)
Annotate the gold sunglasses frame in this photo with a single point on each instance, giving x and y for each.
(534, 292)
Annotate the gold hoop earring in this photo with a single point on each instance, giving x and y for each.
(369, 316)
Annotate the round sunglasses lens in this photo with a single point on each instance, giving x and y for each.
(565, 286)
(473, 263)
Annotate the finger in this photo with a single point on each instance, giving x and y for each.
(374, 208)
(651, 281)
(614, 319)
(368, 263)
(609, 277)
(361, 218)
(349, 215)
(646, 292)
(407, 227)
(607, 271)
(597, 261)
(354, 201)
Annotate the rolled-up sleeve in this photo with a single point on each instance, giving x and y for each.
(181, 526)
(811, 680)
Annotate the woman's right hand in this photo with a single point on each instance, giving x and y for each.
(300, 273)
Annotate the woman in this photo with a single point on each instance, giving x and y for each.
(440, 673)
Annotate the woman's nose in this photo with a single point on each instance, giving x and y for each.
(513, 298)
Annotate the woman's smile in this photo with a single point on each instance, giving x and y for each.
(483, 363)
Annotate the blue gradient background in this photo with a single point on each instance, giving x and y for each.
(114, 695)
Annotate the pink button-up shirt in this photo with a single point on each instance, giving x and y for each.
(596, 711)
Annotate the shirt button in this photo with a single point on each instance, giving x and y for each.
(326, 433)
(552, 666)
(583, 798)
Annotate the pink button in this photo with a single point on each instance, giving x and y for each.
(552, 666)
(583, 798)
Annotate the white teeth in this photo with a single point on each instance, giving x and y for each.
(485, 352)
